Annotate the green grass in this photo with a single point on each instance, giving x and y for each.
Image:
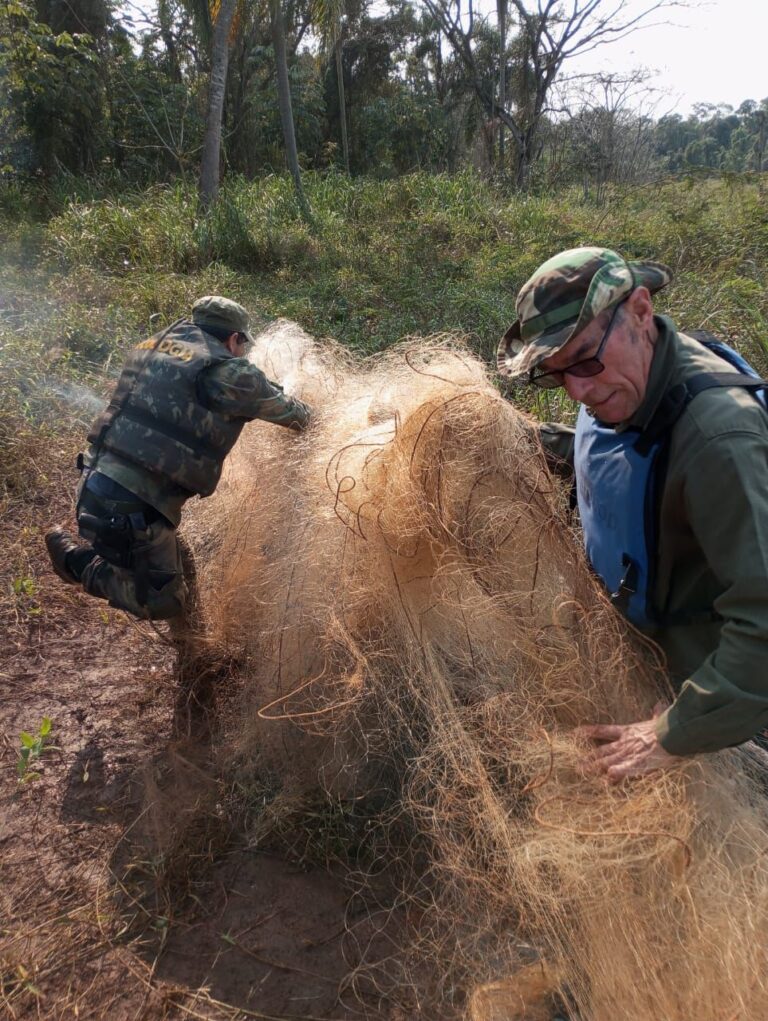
(386, 259)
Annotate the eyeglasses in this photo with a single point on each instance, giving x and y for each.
(584, 368)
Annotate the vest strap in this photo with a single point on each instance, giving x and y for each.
(627, 587)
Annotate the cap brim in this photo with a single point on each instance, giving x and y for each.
(610, 284)
(514, 365)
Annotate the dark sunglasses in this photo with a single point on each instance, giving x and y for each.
(584, 368)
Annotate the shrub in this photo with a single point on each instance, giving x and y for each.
(419, 253)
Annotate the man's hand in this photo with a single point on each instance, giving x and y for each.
(631, 749)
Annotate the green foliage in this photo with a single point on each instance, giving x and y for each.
(55, 92)
(17, 203)
(400, 133)
(156, 124)
(257, 146)
(715, 138)
(32, 747)
(138, 230)
(255, 226)
(24, 586)
(25, 592)
(88, 92)
(417, 254)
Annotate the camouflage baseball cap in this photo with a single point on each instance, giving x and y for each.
(564, 296)
(213, 310)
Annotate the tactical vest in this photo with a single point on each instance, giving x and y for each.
(619, 480)
(157, 417)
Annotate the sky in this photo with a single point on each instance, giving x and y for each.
(712, 53)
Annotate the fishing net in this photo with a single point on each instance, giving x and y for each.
(413, 621)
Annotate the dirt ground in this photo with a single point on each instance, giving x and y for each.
(253, 934)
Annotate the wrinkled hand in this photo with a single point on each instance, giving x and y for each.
(630, 749)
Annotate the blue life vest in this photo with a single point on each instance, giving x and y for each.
(619, 477)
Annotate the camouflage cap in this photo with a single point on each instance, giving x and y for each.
(213, 310)
(564, 296)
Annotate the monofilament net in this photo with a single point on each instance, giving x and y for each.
(410, 608)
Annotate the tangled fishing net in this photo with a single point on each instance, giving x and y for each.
(414, 620)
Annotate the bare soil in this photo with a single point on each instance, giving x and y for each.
(248, 934)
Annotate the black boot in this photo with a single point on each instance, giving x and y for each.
(68, 558)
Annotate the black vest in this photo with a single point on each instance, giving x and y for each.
(157, 417)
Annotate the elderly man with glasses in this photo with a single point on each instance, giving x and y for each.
(670, 458)
(179, 407)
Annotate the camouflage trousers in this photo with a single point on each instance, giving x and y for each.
(138, 564)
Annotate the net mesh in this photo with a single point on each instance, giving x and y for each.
(413, 619)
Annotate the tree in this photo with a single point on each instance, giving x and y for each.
(755, 124)
(608, 129)
(284, 103)
(502, 7)
(326, 15)
(52, 81)
(209, 165)
(761, 135)
(705, 153)
(548, 36)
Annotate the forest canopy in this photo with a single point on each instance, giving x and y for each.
(369, 88)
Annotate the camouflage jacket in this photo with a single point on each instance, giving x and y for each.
(179, 407)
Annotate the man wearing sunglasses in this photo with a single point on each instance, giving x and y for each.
(670, 457)
(179, 407)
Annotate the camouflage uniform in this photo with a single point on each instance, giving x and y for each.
(179, 406)
(138, 564)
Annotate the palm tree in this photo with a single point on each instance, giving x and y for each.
(284, 104)
(208, 187)
(326, 14)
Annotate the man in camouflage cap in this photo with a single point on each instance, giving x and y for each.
(178, 408)
(669, 457)
(566, 295)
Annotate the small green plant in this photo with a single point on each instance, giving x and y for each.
(24, 586)
(25, 590)
(32, 747)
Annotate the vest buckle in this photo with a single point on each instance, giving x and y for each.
(627, 586)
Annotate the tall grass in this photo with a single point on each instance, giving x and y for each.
(418, 254)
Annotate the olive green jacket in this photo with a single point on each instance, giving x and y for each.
(712, 551)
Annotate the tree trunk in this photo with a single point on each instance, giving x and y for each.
(524, 158)
(165, 21)
(209, 168)
(342, 102)
(284, 103)
(762, 138)
(501, 7)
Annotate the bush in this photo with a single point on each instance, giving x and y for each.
(146, 230)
